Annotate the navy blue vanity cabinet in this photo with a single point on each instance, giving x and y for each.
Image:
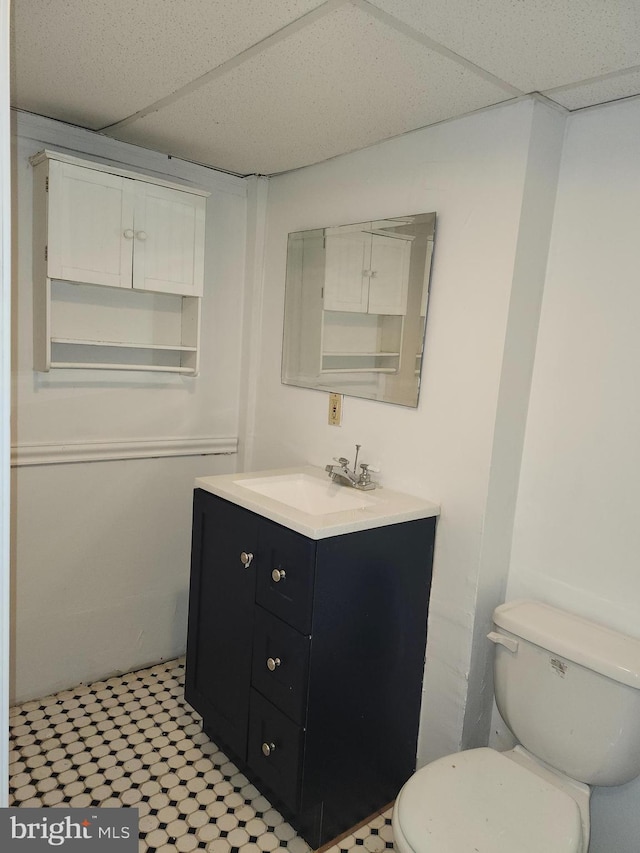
(319, 695)
(221, 606)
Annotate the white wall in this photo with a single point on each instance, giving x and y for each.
(101, 549)
(477, 174)
(576, 536)
(5, 384)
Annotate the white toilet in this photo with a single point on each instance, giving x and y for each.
(569, 690)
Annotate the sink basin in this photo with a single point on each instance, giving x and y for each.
(308, 494)
(304, 499)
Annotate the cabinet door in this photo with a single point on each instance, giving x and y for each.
(221, 605)
(346, 285)
(90, 220)
(169, 240)
(389, 281)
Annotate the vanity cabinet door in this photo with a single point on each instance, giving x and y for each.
(221, 611)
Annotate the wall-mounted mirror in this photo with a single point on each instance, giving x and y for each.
(356, 307)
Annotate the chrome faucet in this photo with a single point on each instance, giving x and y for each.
(341, 473)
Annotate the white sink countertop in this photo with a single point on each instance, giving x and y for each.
(306, 500)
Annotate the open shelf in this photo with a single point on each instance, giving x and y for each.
(372, 354)
(108, 328)
(360, 362)
(127, 344)
(360, 342)
(110, 366)
(358, 370)
(120, 355)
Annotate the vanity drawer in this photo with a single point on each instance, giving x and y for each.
(275, 750)
(285, 576)
(280, 664)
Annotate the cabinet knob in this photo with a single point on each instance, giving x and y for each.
(246, 558)
(273, 663)
(128, 233)
(268, 748)
(278, 575)
(141, 235)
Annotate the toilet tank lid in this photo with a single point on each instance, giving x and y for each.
(579, 640)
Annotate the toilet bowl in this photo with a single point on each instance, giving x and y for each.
(492, 802)
(569, 690)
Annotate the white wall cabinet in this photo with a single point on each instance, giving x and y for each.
(365, 300)
(366, 284)
(366, 272)
(118, 268)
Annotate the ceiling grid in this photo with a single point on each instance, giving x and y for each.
(254, 87)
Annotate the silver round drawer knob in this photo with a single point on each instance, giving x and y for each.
(246, 558)
(278, 575)
(268, 748)
(273, 663)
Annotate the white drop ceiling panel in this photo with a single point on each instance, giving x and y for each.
(597, 91)
(343, 82)
(269, 85)
(532, 44)
(93, 63)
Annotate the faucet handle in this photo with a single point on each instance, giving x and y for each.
(341, 460)
(369, 468)
(364, 480)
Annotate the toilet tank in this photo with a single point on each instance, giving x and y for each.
(569, 690)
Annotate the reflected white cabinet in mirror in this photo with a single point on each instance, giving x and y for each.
(118, 268)
(356, 306)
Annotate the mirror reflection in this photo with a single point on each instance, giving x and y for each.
(356, 307)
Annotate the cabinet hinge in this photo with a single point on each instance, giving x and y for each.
(46, 253)
(46, 184)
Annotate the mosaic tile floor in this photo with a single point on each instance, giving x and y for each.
(132, 741)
